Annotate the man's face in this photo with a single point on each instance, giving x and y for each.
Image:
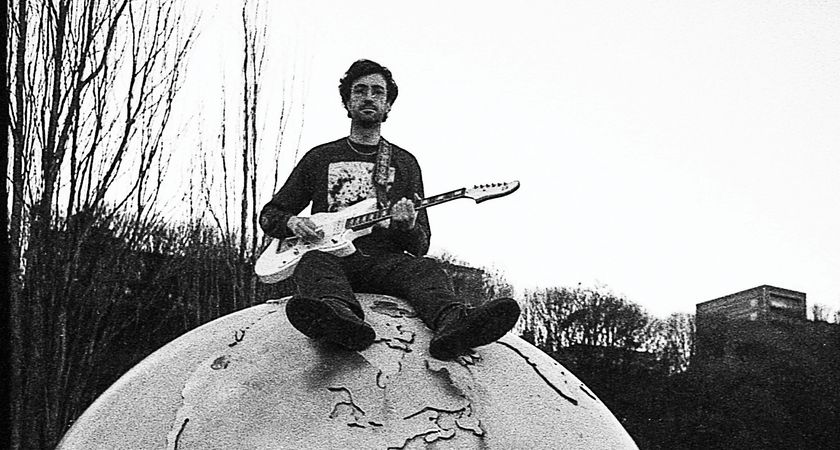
(368, 102)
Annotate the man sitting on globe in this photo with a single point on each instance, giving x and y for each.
(390, 259)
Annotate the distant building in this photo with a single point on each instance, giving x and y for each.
(760, 303)
(757, 323)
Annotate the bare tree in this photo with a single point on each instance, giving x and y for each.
(554, 318)
(560, 317)
(252, 64)
(93, 84)
(238, 178)
(674, 341)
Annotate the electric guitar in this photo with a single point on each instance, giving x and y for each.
(340, 228)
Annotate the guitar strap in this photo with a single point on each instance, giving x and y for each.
(381, 172)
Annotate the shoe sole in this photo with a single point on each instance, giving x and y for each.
(318, 320)
(488, 328)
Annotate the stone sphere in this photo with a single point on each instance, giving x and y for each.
(249, 380)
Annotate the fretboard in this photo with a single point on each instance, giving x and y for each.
(366, 220)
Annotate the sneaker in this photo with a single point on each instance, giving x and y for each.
(330, 319)
(460, 328)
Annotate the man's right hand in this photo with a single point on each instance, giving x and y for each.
(304, 228)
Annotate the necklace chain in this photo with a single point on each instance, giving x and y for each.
(357, 150)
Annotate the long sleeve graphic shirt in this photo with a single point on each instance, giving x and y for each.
(334, 176)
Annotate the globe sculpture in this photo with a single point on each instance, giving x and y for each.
(250, 381)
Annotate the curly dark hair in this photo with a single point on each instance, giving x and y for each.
(364, 67)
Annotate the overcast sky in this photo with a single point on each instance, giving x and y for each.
(675, 151)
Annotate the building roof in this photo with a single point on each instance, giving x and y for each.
(783, 291)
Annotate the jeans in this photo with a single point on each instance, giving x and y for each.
(420, 281)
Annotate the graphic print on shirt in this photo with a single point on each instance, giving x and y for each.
(349, 182)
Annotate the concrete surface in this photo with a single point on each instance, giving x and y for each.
(250, 381)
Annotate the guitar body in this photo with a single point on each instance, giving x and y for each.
(279, 259)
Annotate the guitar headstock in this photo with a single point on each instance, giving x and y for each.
(484, 192)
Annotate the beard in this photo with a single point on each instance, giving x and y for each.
(368, 120)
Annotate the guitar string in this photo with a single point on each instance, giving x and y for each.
(426, 202)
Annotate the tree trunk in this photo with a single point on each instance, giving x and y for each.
(15, 233)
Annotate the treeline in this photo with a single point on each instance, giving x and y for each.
(559, 318)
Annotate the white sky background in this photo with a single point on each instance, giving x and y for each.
(676, 151)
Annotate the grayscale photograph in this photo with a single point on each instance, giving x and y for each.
(315, 224)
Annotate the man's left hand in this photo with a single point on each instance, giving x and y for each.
(403, 215)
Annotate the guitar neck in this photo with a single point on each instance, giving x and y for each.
(366, 220)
